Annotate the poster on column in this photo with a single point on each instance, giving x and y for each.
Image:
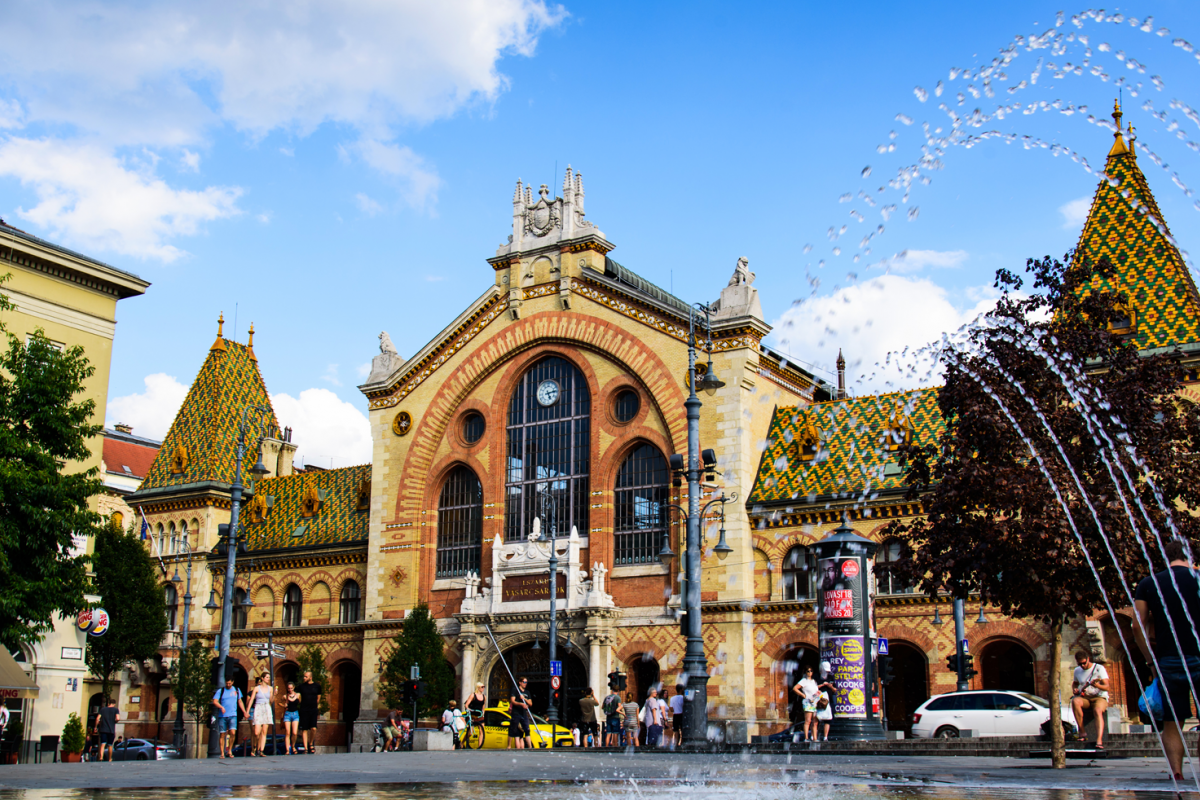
(841, 595)
(847, 663)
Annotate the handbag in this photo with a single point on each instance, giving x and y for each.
(822, 703)
(1151, 701)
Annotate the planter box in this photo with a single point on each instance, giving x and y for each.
(72, 758)
(429, 739)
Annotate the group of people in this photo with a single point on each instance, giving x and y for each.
(614, 722)
(301, 710)
(816, 705)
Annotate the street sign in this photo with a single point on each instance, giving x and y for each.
(883, 647)
(262, 653)
(555, 682)
(257, 645)
(414, 673)
(965, 648)
(556, 669)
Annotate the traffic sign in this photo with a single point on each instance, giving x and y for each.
(257, 645)
(882, 648)
(556, 669)
(414, 673)
(555, 682)
(965, 648)
(262, 653)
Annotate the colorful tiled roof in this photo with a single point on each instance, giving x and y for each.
(309, 508)
(850, 446)
(1125, 225)
(202, 442)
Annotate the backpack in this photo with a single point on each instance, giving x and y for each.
(612, 705)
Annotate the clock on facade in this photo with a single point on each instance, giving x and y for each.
(547, 393)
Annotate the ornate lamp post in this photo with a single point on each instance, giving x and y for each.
(187, 607)
(551, 708)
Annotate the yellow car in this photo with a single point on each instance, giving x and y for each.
(493, 733)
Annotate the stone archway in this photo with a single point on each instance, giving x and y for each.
(1008, 665)
(534, 664)
(909, 688)
(795, 661)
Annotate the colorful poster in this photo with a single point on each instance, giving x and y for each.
(847, 672)
(841, 593)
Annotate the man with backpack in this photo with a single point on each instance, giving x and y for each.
(612, 718)
(587, 711)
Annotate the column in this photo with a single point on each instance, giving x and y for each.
(467, 643)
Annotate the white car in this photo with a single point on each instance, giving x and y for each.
(984, 712)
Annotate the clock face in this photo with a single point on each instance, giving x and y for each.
(547, 393)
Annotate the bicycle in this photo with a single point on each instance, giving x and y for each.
(473, 735)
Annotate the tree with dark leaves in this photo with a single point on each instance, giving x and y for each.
(418, 644)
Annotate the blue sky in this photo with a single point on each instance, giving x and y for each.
(333, 170)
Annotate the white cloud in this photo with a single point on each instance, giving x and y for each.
(367, 205)
(265, 217)
(418, 181)
(891, 313)
(331, 375)
(363, 370)
(1075, 212)
(914, 260)
(324, 427)
(150, 412)
(288, 151)
(90, 198)
(190, 160)
(11, 115)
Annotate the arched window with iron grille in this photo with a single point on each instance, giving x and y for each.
(460, 524)
(171, 595)
(349, 603)
(293, 601)
(239, 609)
(640, 501)
(799, 574)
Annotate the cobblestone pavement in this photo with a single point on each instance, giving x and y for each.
(1013, 776)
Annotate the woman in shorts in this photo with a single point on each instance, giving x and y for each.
(291, 718)
(262, 701)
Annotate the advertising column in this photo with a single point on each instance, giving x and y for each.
(845, 629)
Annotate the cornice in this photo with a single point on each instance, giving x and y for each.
(33, 254)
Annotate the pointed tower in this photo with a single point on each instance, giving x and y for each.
(1126, 226)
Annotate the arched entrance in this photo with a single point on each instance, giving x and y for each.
(792, 667)
(1007, 665)
(285, 672)
(534, 664)
(909, 688)
(643, 674)
(347, 678)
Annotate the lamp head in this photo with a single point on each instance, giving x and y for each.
(708, 382)
(722, 549)
(212, 605)
(259, 469)
(246, 601)
(175, 578)
(665, 555)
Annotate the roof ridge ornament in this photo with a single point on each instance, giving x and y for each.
(547, 219)
(219, 344)
(1118, 148)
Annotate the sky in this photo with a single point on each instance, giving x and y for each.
(331, 170)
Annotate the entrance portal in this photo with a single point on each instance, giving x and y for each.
(1007, 665)
(526, 662)
(792, 669)
(909, 688)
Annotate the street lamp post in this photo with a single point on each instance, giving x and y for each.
(187, 607)
(551, 708)
(214, 747)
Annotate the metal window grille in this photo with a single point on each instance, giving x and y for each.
(239, 612)
(172, 598)
(349, 606)
(889, 553)
(473, 428)
(627, 405)
(799, 574)
(292, 602)
(548, 453)
(460, 524)
(641, 506)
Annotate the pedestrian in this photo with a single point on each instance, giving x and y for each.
(1089, 689)
(477, 703)
(452, 723)
(806, 694)
(3, 719)
(392, 725)
(228, 701)
(653, 717)
(261, 702)
(106, 727)
(310, 709)
(291, 718)
(612, 718)
(1163, 615)
(824, 716)
(677, 716)
(575, 733)
(587, 712)
(519, 719)
(631, 720)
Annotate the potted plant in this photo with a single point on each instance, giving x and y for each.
(10, 748)
(73, 740)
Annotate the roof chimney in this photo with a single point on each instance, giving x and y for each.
(123, 428)
(841, 370)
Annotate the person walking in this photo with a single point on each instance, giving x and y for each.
(106, 727)
(1162, 614)
(1089, 690)
(677, 716)
(806, 692)
(4, 717)
(310, 709)
(291, 718)
(653, 717)
(631, 720)
(519, 717)
(392, 725)
(228, 700)
(823, 717)
(262, 712)
(452, 723)
(587, 712)
(611, 707)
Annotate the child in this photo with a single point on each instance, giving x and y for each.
(575, 733)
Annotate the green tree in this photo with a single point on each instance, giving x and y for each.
(993, 523)
(191, 682)
(44, 426)
(313, 660)
(73, 739)
(126, 578)
(420, 644)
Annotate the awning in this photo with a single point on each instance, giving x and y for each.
(14, 683)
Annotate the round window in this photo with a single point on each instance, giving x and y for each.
(473, 427)
(626, 406)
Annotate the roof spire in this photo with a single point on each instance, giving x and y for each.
(841, 376)
(250, 344)
(1118, 148)
(219, 344)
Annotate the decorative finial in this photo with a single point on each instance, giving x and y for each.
(221, 324)
(1117, 115)
(1118, 148)
(219, 344)
(251, 342)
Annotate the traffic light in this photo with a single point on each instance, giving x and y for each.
(952, 663)
(969, 670)
(884, 665)
(556, 698)
(419, 689)
(616, 681)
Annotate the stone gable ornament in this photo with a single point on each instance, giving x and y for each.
(402, 424)
(385, 344)
(543, 216)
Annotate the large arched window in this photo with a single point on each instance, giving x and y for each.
(549, 439)
(799, 576)
(292, 602)
(460, 524)
(171, 595)
(641, 506)
(349, 603)
(885, 583)
(239, 609)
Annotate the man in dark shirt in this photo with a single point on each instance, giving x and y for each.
(310, 704)
(106, 727)
(1178, 661)
(519, 719)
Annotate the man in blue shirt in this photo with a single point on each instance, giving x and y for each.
(227, 702)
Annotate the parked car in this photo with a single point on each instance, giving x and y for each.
(144, 750)
(276, 743)
(493, 733)
(984, 712)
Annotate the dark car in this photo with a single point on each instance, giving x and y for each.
(276, 745)
(792, 733)
(144, 750)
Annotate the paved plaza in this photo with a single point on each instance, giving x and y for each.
(1133, 774)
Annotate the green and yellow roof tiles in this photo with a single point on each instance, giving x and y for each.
(1126, 226)
(308, 508)
(201, 444)
(851, 443)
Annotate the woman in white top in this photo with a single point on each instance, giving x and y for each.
(806, 691)
(262, 701)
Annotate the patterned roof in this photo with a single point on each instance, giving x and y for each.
(202, 441)
(851, 443)
(1149, 269)
(275, 517)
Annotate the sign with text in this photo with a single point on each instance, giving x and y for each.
(518, 588)
(847, 672)
(72, 653)
(841, 592)
(556, 669)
